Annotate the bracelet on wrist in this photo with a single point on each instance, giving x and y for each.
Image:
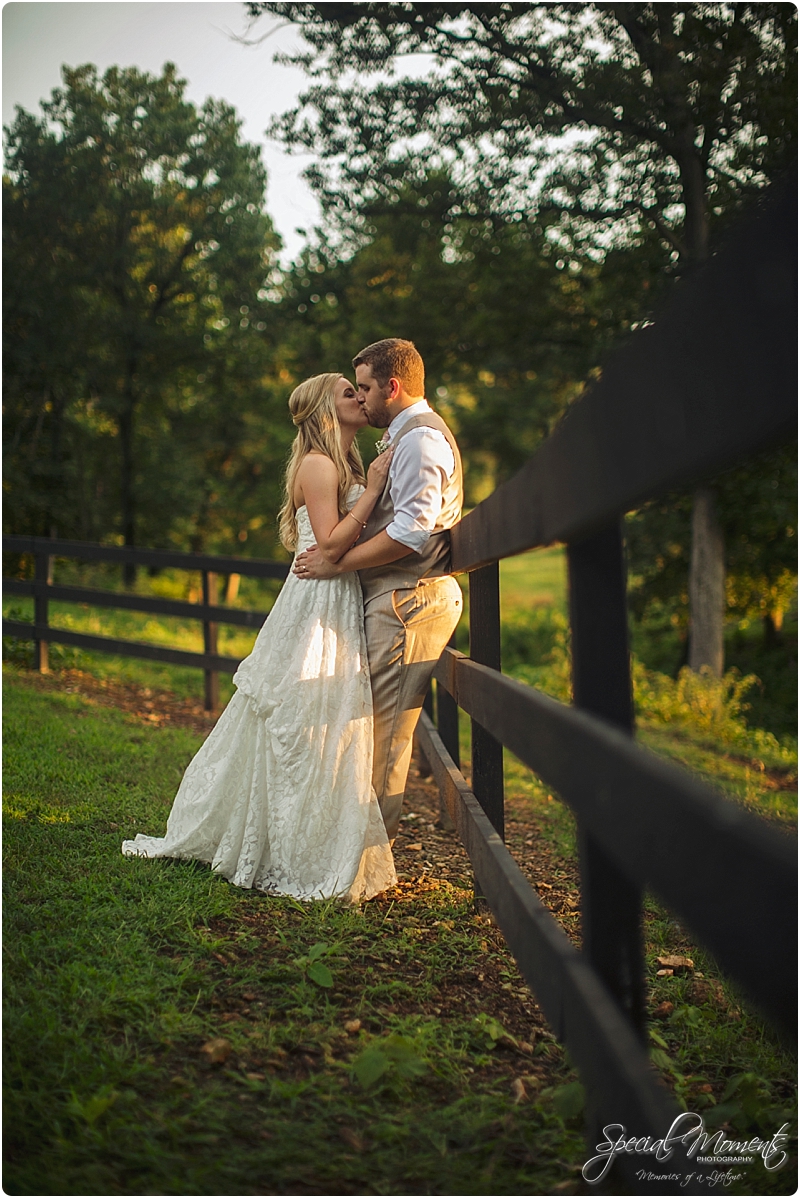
(363, 523)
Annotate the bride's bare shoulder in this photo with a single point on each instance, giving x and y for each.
(316, 476)
(317, 463)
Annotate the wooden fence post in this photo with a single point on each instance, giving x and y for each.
(484, 647)
(447, 718)
(610, 903)
(210, 641)
(40, 612)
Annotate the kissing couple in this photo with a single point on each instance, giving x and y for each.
(298, 789)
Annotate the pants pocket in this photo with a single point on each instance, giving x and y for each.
(406, 602)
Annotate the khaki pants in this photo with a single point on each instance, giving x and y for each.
(406, 632)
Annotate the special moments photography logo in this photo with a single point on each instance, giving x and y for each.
(687, 1133)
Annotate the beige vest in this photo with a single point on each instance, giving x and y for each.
(433, 560)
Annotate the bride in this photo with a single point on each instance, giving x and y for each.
(280, 797)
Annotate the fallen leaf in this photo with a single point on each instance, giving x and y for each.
(663, 1010)
(677, 964)
(248, 996)
(352, 1139)
(707, 1088)
(664, 973)
(525, 1047)
(255, 1077)
(414, 848)
(217, 1051)
(352, 1026)
(518, 1090)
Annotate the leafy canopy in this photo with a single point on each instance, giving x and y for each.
(613, 114)
(137, 254)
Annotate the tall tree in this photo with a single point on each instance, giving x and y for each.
(509, 324)
(137, 253)
(613, 116)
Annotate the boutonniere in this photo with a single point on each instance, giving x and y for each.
(382, 445)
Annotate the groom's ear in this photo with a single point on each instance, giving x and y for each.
(395, 387)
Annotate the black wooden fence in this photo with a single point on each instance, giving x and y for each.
(712, 382)
(209, 612)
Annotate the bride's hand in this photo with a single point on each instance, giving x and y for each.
(378, 472)
(311, 564)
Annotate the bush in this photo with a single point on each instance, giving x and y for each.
(535, 649)
(714, 707)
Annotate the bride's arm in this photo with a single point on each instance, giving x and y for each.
(318, 480)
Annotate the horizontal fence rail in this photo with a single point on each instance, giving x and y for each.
(159, 559)
(622, 1085)
(714, 380)
(666, 830)
(163, 607)
(209, 612)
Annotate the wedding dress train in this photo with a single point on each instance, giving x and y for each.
(280, 795)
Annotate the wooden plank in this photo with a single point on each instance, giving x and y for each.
(713, 381)
(210, 631)
(730, 876)
(447, 718)
(107, 644)
(622, 1085)
(40, 607)
(128, 602)
(484, 646)
(611, 904)
(161, 559)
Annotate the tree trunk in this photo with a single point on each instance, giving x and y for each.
(706, 586)
(707, 565)
(127, 502)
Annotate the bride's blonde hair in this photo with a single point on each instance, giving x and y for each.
(313, 409)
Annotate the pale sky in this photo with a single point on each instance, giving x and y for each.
(196, 36)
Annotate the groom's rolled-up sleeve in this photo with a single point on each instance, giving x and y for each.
(421, 466)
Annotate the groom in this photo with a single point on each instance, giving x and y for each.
(411, 604)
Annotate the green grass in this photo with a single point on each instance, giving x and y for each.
(535, 579)
(119, 970)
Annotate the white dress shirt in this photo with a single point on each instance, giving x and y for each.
(420, 469)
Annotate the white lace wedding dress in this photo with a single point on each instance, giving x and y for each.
(280, 796)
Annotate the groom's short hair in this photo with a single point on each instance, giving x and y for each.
(394, 358)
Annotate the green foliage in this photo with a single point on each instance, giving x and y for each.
(392, 1057)
(314, 967)
(573, 160)
(757, 505)
(509, 324)
(569, 1100)
(491, 1032)
(675, 111)
(711, 705)
(535, 649)
(137, 327)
